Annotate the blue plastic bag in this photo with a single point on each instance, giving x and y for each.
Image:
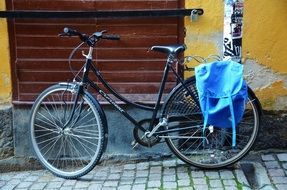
(222, 94)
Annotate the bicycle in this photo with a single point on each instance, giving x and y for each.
(69, 131)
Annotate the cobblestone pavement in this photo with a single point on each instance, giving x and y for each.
(276, 166)
(164, 174)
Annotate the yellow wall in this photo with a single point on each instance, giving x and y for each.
(5, 77)
(264, 44)
(265, 33)
(204, 37)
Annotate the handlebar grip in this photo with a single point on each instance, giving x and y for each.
(71, 32)
(111, 37)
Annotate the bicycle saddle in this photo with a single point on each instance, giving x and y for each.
(172, 49)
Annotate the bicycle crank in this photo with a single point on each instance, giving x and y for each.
(141, 137)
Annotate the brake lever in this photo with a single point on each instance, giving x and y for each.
(64, 35)
(99, 34)
(104, 31)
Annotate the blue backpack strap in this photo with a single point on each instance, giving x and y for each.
(232, 121)
(205, 116)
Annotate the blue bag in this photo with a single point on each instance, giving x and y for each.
(222, 94)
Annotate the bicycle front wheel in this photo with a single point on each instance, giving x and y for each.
(211, 148)
(68, 143)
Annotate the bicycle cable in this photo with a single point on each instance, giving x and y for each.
(70, 62)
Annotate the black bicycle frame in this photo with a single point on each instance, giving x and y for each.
(89, 66)
(85, 80)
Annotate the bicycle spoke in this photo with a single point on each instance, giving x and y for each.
(85, 147)
(58, 154)
(73, 150)
(86, 115)
(48, 121)
(78, 153)
(86, 135)
(44, 135)
(45, 128)
(85, 138)
(57, 111)
(51, 147)
(84, 126)
(88, 121)
(46, 109)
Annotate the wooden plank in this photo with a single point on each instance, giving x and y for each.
(106, 65)
(91, 5)
(125, 41)
(103, 53)
(125, 88)
(112, 76)
(131, 30)
(131, 65)
(99, 21)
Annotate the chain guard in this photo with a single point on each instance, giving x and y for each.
(141, 138)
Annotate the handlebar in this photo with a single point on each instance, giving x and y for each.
(111, 37)
(90, 40)
(71, 32)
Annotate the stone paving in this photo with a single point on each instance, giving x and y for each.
(152, 175)
(276, 166)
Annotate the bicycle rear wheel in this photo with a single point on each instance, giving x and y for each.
(213, 148)
(67, 149)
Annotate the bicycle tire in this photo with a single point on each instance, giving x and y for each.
(73, 151)
(190, 145)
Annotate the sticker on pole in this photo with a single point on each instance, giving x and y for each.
(233, 25)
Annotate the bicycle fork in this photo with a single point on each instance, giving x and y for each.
(79, 91)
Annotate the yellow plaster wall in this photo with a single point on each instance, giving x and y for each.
(264, 43)
(204, 37)
(268, 96)
(5, 76)
(265, 33)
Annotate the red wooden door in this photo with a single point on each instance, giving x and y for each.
(39, 56)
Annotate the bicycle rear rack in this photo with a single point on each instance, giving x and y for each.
(198, 59)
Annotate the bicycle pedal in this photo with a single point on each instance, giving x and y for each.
(134, 144)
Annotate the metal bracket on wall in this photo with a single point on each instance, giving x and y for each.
(194, 15)
(102, 14)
